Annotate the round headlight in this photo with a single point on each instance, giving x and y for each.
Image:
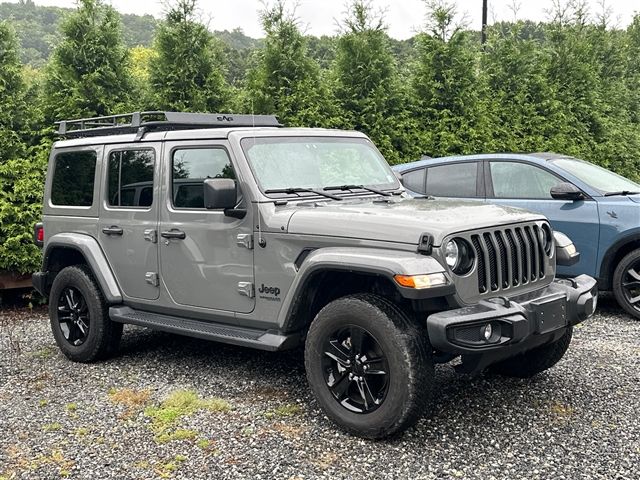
(452, 254)
(459, 256)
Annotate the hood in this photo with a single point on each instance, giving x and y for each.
(402, 220)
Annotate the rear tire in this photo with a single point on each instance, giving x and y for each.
(388, 357)
(535, 361)
(626, 283)
(79, 316)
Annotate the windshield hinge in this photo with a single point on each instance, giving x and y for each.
(245, 240)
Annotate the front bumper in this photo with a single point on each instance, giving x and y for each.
(501, 327)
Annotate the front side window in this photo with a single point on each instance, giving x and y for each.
(191, 167)
(130, 178)
(316, 163)
(73, 179)
(454, 180)
(521, 180)
(599, 178)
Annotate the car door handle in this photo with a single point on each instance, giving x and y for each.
(177, 234)
(112, 230)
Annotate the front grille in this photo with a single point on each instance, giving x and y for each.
(509, 258)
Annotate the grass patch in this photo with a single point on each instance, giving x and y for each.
(182, 403)
(51, 427)
(43, 403)
(44, 353)
(129, 398)
(175, 435)
(203, 443)
(283, 411)
(72, 407)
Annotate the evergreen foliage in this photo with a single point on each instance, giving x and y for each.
(21, 166)
(570, 85)
(88, 74)
(285, 80)
(187, 71)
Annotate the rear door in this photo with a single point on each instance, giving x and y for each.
(461, 180)
(129, 217)
(526, 185)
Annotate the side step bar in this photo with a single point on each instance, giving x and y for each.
(260, 339)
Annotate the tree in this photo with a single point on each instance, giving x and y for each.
(88, 74)
(526, 116)
(187, 71)
(284, 79)
(368, 87)
(21, 168)
(450, 96)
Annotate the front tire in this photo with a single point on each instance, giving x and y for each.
(369, 366)
(535, 361)
(626, 283)
(79, 316)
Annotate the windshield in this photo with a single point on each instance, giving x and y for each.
(316, 163)
(597, 177)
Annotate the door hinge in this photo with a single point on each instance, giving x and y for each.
(151, 235)
(246, 289)
(152, 278)
(245, 240)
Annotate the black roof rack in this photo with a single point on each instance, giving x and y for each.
(142, 122)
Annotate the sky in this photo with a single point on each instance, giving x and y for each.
(318, 17)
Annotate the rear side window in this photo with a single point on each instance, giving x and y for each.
(73, 179)
(130, 178)
(455, 180)
(191, 167)
(414, 180)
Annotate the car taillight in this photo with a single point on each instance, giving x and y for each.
(38, 234)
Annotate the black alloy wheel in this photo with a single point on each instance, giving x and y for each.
(626, 283)
(631, 284)
(73, 316)
(355, 369)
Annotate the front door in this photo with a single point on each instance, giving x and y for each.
(528, 186)
(206, 257)
(129, 217)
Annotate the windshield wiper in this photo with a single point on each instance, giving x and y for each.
(355, 187)
(621, 192)
(296, 190)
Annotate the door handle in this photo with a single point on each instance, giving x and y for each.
(112, 230)
(177, 234)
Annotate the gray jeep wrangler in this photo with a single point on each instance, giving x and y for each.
(233, 229)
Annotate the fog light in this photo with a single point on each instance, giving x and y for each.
(487, 331)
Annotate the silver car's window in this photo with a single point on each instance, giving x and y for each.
(316, 162)
(191, 167)
(597, 177)
(521, 180)
(73, 179)
(130, 178)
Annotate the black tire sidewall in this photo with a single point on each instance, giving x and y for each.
(387, 419)
(79, 279)
(618, 276)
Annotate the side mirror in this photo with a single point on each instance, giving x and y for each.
(220, 193)
(566, 191)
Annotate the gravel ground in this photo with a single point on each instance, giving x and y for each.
(254, 416)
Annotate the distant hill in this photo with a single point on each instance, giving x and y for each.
(38, 26)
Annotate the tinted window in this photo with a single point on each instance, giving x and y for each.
(597, 177)
(455, 180)
(190, 169)
(521, 180)
(414, 180)
(73, 178)
(130, 175)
